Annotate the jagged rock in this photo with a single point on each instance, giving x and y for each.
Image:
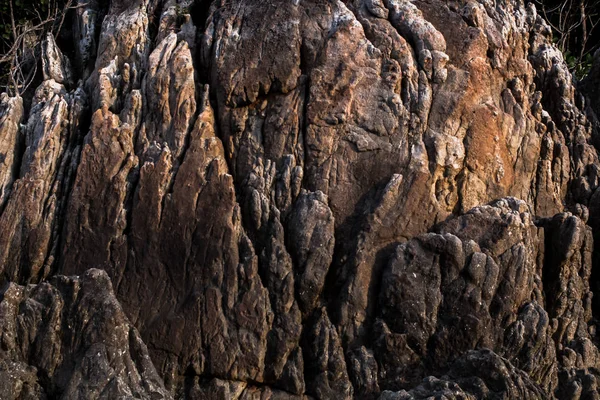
(11, 115)
(225, 390)
(28, 224)
(170, 91)
(54, 64)
(96, 218)
(444, 294)
(327, 376)
(300, 198)
(69, 338)
(569, 302)
(478, 375)
(311, 240)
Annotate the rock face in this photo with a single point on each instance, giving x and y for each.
(69, 338)
(369, 199)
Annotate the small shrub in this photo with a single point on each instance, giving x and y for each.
(576, 30)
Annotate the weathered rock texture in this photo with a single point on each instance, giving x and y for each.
(301, 199)
(69, 338)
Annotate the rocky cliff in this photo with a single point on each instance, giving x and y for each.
(249, 199)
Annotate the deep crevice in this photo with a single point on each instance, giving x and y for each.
(200, 11)
(67, 187)
(154, 23)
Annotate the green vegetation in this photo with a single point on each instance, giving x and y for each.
(576, 30)
(579, 67)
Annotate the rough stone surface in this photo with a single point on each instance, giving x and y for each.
(69, 338)
(368, 199)
(11, 114)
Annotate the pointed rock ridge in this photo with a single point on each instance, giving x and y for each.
(122, 54)
(54, 64)
(96, 353)
(327, 374)
(170, 92)
(11, 115)
(28, 221)
(311, 238)
(190, 282)
(96, 218)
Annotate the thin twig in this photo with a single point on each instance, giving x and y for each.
(21, 53)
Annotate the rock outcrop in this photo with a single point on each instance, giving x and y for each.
(370, 199)
(69, 338)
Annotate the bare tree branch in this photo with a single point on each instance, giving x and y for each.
(574, 24)
(23, 54)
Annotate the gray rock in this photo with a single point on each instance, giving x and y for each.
(70, 339)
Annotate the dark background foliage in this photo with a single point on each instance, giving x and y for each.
(23, 23)
(575, 24)
(576, 29)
